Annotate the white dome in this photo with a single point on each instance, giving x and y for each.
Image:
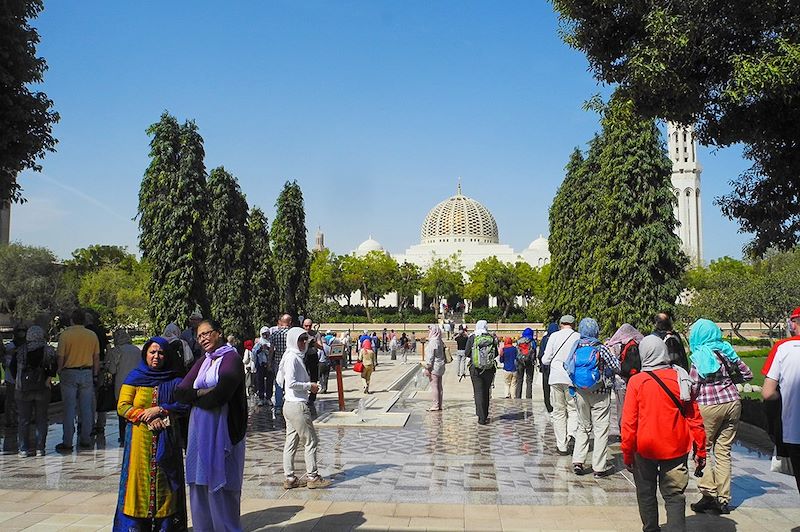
(368, 245)
(540, 244)
(459, 219)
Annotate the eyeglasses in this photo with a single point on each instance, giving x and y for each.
(205, 334)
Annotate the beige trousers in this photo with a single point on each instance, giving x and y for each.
(565, 415)
(721, 422)
(594, 417)
(299, 427)
(511, 381)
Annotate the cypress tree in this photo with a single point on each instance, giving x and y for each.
(290, 250)
(171, 200)
(263, 294)
(615, 256)
(225, 227)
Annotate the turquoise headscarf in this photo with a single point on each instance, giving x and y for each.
(705, 338)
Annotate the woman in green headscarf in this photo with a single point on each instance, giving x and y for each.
(716, 369)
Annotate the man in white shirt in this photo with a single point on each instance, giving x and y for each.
(784, 371)
(297, 385)
(565, 415)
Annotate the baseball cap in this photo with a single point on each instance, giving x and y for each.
(796, 313)
(567, 318)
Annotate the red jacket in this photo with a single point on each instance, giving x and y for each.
(652, 425)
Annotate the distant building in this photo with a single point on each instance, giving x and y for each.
(686, 172)
(319, 240)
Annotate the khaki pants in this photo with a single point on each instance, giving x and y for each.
(565, 415)
(721, 422)
(299, 427)
(594, 416)
(511, 381)
(671, 476)
(366, 375)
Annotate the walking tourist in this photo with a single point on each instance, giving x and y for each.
(94, 324)
(325, 363)
(447, 328)
(782, 383)
(249, 367)
(593, 377)
(660, 427)
(376, 346)
(565, 416)
(624, 344)
(214, 387)
(264, 374)
(294, 379)
(716, 369)
(9, 380)
(348, 348)
(434, 365)
(544, 369)
(122, 359)
(403, 346)
(526, 362)
(33, 364)
(663, 328)
(461, 356)
(151, 483)
(312, 355)
(277, 343)
(482, 350)
(412, 347)
(366, 355)
(508, 357)
(78, 357)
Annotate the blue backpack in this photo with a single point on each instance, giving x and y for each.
(584, 367)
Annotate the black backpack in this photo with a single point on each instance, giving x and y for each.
(630, 360)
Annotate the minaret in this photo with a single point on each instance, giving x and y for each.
(686, 171)
(319, 241)
(5, 224)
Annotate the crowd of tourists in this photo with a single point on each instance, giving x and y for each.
(182, 402)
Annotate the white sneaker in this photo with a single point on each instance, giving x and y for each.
(23, 454)
(40, 452)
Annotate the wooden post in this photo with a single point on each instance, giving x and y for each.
(337, 355)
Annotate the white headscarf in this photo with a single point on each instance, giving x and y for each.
(292, 349)
(435, 336)
(481, 327)
(654, 354)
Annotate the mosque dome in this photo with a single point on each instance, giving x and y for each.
(540, 244)
(459, 219)
(368, 245)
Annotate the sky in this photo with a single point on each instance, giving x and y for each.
(376, 108)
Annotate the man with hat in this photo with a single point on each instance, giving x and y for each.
(782, 385)
(564, 415)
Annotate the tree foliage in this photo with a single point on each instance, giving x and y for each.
(27, 117)
(376, 274)
(444, 278)
(409, 277)
(118, 294)
(171, 205)
(289, 250)
(614, 253)
(325, 275)
(733, 68)
(263, 293)
(32, 287)
(226, 230)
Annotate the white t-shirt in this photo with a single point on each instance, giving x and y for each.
(786, 370)
(559, 346)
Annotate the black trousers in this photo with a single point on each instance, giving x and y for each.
(481, 383)
(324, 375)
(794, 457)
(545, 386)
(524, 373)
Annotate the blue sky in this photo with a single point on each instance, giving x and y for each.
(374, 107)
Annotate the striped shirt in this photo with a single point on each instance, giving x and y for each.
(718, 388)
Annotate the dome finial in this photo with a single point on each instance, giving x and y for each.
(458, 190)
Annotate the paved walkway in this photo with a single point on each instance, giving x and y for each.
(441, 471)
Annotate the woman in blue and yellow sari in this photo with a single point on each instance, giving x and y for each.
(151, 488)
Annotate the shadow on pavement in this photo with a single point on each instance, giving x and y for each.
(748, 487)
(361, 471)
(267, 519)
(707, 522)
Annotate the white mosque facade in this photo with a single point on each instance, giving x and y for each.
(458, 226)
(463, 227)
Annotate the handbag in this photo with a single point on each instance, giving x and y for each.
(781, 464)
(106, 400)
(358, 367)
(731, 368)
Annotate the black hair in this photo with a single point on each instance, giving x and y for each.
(78, 317)
(663, 321)
(215, 325)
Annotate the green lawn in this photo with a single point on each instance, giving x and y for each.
(755, 364)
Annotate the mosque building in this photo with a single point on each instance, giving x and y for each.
(462, 226)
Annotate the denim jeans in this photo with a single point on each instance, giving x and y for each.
(32, 405)
(77, 392)
(278, 396)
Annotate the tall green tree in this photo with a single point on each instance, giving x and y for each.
(263, 290)
(27, 117)
(325, 275)
(444, 278)
(733, 68)
(628, 263)
(227, 262)
(172, 200)
(409, 276)
(290, 250)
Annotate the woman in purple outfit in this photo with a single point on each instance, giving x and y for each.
(215, 450)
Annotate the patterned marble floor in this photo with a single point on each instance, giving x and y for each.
(436, 458)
